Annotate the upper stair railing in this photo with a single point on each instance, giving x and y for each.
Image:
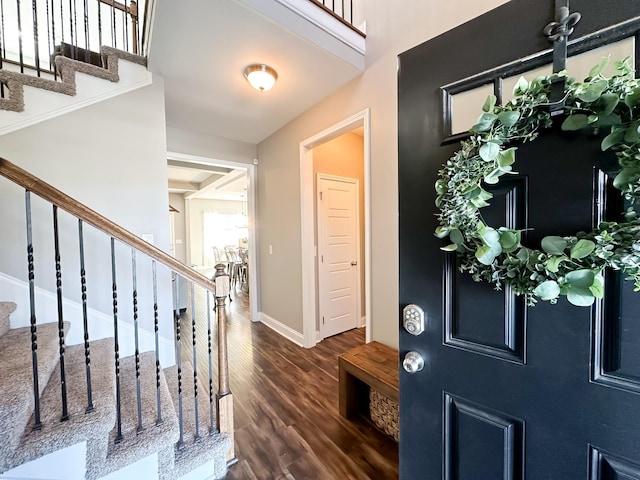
(220, 401)
(34, 32)
(343, 10)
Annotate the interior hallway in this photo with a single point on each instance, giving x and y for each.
(286, 403)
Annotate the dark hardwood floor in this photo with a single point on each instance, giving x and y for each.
(287, 424)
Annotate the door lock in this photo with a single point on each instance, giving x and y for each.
(413, 362)
(413, 319)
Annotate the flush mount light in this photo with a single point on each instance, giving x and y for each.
(261, 77)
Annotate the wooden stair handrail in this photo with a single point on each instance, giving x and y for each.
(33, 184)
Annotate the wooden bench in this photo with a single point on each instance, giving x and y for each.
(372, 365)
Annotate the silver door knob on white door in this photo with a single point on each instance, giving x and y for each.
(413, 362)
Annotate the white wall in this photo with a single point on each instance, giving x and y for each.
(177, 201)
(391, 29)
(112, 157)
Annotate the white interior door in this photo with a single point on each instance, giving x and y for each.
(338, 255)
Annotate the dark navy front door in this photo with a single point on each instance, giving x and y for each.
(510, 391)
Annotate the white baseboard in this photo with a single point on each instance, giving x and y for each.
(363, 322)
(284, 330)
(100, 324)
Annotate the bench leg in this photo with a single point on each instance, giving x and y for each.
(349, 394)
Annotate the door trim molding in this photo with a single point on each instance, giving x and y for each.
(309, 295)
(252, 197)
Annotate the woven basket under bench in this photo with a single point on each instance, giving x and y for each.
(384, 413)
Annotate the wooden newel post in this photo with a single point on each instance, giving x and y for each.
(224, 397)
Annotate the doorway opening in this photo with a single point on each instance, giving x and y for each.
(355, 129)
(214, 222)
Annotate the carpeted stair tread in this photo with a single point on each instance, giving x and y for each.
(209, 446)
(6, 309)
(16, 381)
(55, 434)
(15, 82)
(153, 438)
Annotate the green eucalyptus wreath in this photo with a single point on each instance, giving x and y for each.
(572, 265)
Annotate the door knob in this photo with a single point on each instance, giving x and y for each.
(354, 263)
(413, 362)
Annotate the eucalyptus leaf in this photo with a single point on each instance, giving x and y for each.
(554, 245)
(580, 297)
(625, 178)
(593, 90)
(615, 137)
(597, 70)
(486, 255)
(631, 134)
(632, 98)
(575, 122)
(509, 118)
(450, 248)
(485, 122)
(456, 236)
(441, 186)
(493, 177)
(581, 249)
(553, 264)
(489, 236)
(489, 103)
(442, 232)
(547, 290)
(521, 86)
(489, 151)
(507, 157)
(597, 289)
(610, 101)
(608, 120)
(580, 278)
(509, 241)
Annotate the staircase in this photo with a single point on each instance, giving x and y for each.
(30, 99)
(143, 436)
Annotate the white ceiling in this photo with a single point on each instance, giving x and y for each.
(201, 48)
(207, 182)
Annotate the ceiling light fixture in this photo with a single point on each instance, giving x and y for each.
(261, 77)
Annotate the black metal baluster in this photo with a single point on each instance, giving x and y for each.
(61, 23)
(71, 31)
(99, 25)
(136, 338)
(75, 28)
(3, 49)
(49, 51)
(113, 24)
(63, 379)
(195, 359)
(155, 328)
(85, 319)
(37, 424)
(125, 32)
(176, 314)
(20, 53)
(86, 32)
(36, 45)
(344, 14)
(114, 287)
(211, 428)
(351, 12)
